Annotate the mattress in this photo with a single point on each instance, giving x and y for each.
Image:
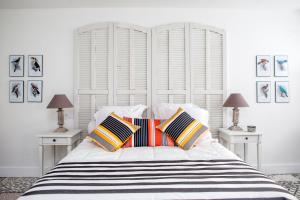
(208, 171)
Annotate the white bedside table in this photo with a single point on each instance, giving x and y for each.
(53, 139)
(230, 138)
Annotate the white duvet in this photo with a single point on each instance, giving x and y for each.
(88, 151)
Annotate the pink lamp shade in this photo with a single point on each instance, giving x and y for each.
(235, 100)
(60, 101)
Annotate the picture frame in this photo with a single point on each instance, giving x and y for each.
(16, 66)
(35, 91)
(263, 91)
(35, 66)
(263, 66)
(16, 91)
(282, 92)
(281, 67)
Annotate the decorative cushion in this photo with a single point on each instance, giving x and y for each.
(166, 110)
(184, 129)
(113, 132)
(148, 134)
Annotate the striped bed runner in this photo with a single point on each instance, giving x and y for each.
(208, 179)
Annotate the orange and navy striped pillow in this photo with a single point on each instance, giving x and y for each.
(148, 135)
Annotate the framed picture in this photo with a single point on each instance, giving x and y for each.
(35, 66)
(16, 91)
(282, 93)
(281, 67)
(263, 92)
(35, 91)
(263, 66)
(16, 65)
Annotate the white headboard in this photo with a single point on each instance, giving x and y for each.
(124, 64)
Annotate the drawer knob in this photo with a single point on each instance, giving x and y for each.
(54, 140)
(246, 138)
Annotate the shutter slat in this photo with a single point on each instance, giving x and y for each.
(123, 57)
(101, 57)
(140, 99)
(84, 112)
(216, 61)
(84, 60)
(163, 56)
(179, 98)
(177, 59)
(123, 100)
(198, 64)
(140, 59)
(215, 110)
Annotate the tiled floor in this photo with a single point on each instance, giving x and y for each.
(289, 181)
(12, 188)
(16, 184)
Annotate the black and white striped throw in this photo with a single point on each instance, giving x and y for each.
(159, 179)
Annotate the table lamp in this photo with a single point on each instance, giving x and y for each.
(235, 100)
(60, 101)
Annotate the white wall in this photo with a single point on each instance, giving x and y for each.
(50, 32)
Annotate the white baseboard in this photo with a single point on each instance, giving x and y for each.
(19, 171)
(277, 168)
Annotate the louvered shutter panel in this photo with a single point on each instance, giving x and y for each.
(207, 72)
(82, 102)
(94, 71)
(132, 65)
(188, 67)
(215, 78)
(170, 65)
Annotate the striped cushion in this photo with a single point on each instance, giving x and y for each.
(113, 132)
(148, 134)
(184, 129)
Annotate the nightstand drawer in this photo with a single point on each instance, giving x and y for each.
(54, 141)
(244, 139)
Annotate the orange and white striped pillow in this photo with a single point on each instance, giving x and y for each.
(148, 134)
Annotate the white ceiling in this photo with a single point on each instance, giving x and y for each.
(219, 4)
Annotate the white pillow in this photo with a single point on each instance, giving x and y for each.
(91, 126)
(166, 110)
(128, 111)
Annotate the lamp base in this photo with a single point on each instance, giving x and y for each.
(235, 128)
(60, 115)
(61, 130)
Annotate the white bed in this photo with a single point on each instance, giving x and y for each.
(175, 63)
(244, 182)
